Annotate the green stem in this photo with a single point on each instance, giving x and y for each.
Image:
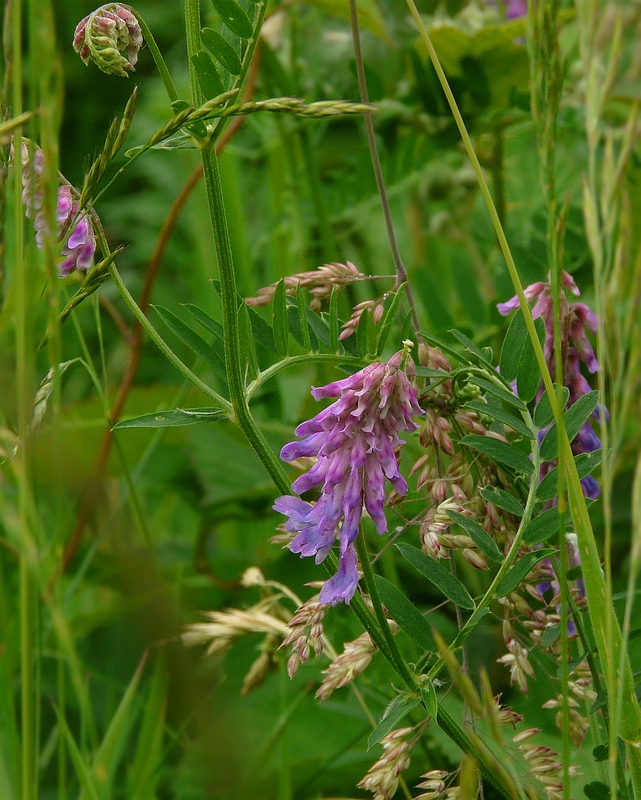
(291, 361)
(164, 348)
(161, 66)
(606, 627)
(192, 29)
(229, 300)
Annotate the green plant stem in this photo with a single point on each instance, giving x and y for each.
(229, 299)
(192, 29)
(606, 628)
(292, 361)
(161, 66)
(164, 348)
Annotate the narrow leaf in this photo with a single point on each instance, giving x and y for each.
(574, 418)
(82, 771)
(399, 708)
(508, 397)
(496, 412)
(363, 334)
(585, 464)
(302, 317)
(521, 570)
(207, 73)
(320, 328)
(144, 771)
(543, 414)
(172, 419)
(221, 50)
(541, 528)
(405, 613)
(476, 355)
(334, 326)
(430, 700)
(194, 341)
(442, 578)
(247, 341)
(209, 323)
(260, 329)
(502, 499)
(502, 452)
(512, 347)
(478, 535)
(388, 321)
(280, 323)
(446, 348)
(234, 18)
(528, 377)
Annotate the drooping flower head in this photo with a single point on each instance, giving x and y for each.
(105, 35)
(353, 441)
(80, 240)
(575, 318)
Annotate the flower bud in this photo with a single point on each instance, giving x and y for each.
(111, 38)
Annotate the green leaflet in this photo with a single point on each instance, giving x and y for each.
(221, 50)
(520, 570)
(574, 419)
(405, 613)
(479, 536)
(234, 18)
(435, 573)
(208, 76)
(502, 452)
(178, 417)
(399, 708)
(502, 499)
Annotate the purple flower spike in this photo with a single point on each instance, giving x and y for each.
(353, 441)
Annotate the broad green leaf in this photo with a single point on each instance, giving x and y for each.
(528, 376)
(172, 419)
(508, 397)
(280, 323)
(496, 412)
(334, 324)
(234, 18)
(574, 419)
(194, 341)
(207, 73)
(541, 528)
(512, 347)
(478, 535)
(521, 570)
(543, 414)
(302, 318)
(388, 320)
(399, 708)
(436, 574)
(502, 499)
(585, 464)
(502, 452)
(405, 613)
(222, 51)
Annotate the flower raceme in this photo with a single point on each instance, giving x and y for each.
(79, 238)
(105, 34)
(353, 441)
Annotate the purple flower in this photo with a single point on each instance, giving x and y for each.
(353, 441)
(80, 241)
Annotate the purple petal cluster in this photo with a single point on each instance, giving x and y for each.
(353, 440)
(80, 241)
(576, 319)
(105, 34)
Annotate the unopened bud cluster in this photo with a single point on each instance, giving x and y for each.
(305, 633)
(382, 779)
(351, 663)
(110, 37)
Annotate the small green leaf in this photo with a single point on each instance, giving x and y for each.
(512, 347)
(209, 323)
(496, 412)
(601, 753)
(302, 317)
(528, 377)
(442, 578)
(508, 397)
(502, 499)
(207, 73)
(194, 341)
(596, 791)
(478, 535)
(430, 700)
(320, 328)
(221, 50)
(445, 347)
(499, 451)
(362, 334)
(574, 418)
(521, 570)
(399, 708)
(334, 325)
(543, 414)
(405, 613)
(388, 320)
(550, 635)
(477, 355)
(280, 323)
(234, 18)
(541, 528)
(585, 464)
(178, 417)
(247, 337)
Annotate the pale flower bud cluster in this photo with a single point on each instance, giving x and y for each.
(434, 783)
(110, 37)
(351, 663)
(382, 778)
(581, 694)
(544, 764)
(517, 660)
(305, 633)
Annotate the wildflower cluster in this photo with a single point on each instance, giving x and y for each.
(354, 442)
(105, 34)
(73, 229)
(382, 779)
